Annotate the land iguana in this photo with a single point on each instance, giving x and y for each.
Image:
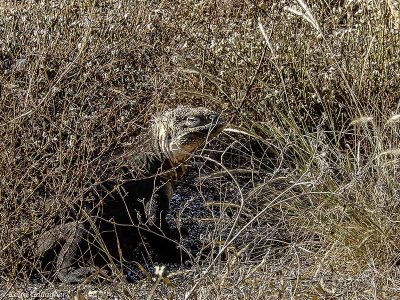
(138, 204)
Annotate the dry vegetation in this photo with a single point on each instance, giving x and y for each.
(308, 195)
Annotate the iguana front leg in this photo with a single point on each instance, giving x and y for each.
(72, 235)
(68, 255)
(160, 236)
(50, 238)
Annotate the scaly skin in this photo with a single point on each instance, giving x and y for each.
(138, 204)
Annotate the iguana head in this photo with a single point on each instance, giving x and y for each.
(184, 129)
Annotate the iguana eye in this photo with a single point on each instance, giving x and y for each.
(193, 121)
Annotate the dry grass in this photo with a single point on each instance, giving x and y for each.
(308, 192)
